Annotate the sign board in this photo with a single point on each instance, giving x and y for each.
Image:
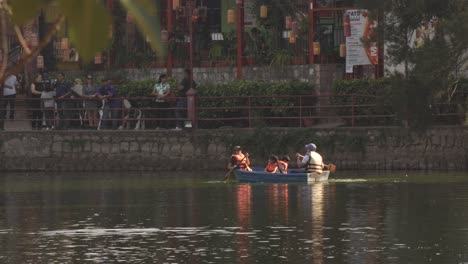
(360, 33)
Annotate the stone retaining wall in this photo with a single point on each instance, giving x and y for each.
(382, 149)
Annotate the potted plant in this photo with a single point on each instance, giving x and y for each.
(216, 52)
(281, 57)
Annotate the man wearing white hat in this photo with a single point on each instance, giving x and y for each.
(312, 161)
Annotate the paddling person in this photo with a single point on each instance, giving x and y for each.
(272, 166)
(312, 161)
(239, 160)
(283, 164)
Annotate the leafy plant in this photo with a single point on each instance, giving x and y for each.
(216, 51)
(281, 57)
(226, 108)
(372, 91)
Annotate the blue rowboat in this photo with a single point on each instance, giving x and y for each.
(258, 175)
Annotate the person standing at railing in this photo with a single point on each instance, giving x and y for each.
(181, 103)
(161, 90)
(37, 87)
(9, 95)
(48, 105)
(77, 113)
(91, 103)
(111, 108)
(63, 92)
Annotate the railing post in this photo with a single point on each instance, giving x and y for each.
(300, 110)
(250, 112)
(192, 107)
(54, 117)
(352, 111)
(122, 107)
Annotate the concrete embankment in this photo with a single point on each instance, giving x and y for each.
(348, 148)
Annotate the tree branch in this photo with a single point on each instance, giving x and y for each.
(25, 60)
(4, 43)
(22, 40)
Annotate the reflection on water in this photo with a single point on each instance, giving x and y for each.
(184, 218)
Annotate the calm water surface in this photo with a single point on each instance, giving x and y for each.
(196, 218)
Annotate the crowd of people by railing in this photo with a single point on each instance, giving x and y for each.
(53, 102)
(56, 103)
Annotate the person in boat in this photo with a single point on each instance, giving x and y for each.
(312, 161)
(272, 166)
(283, 164)
(239, 160)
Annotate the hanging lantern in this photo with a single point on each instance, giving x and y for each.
(40, 62)
(292, 37)
(129, 18)
(295, 27)
(64, 44)
(316, 48)
(175, 4)
(288, 22)
(98, 58)
(231, 16)
(263, 11)
(164, 36)
(342, 50)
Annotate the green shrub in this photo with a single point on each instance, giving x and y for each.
(277, 106)
(373, 92)
(281, 107)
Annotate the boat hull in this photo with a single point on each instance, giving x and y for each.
(261, 176)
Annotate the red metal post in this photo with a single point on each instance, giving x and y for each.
(190, 17)
(240, 36)
(311, 32)
(169, 32)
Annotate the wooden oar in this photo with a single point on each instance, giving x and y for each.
(226, 177)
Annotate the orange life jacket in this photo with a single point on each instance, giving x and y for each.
(271, 166)
(283, 165)
(241, 161)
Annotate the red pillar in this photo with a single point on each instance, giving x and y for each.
(169, 32)
(110, 52)
(311, 32)
(190, 19)
(240, 36)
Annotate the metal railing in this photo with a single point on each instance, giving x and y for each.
(216, 112)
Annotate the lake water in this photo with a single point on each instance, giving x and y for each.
(196, 218)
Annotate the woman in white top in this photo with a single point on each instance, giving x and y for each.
(9, 94)
(161, 91)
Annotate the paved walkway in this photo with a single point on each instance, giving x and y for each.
(19, 124)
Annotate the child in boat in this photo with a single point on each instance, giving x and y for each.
(272, 165)
(283, 164)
